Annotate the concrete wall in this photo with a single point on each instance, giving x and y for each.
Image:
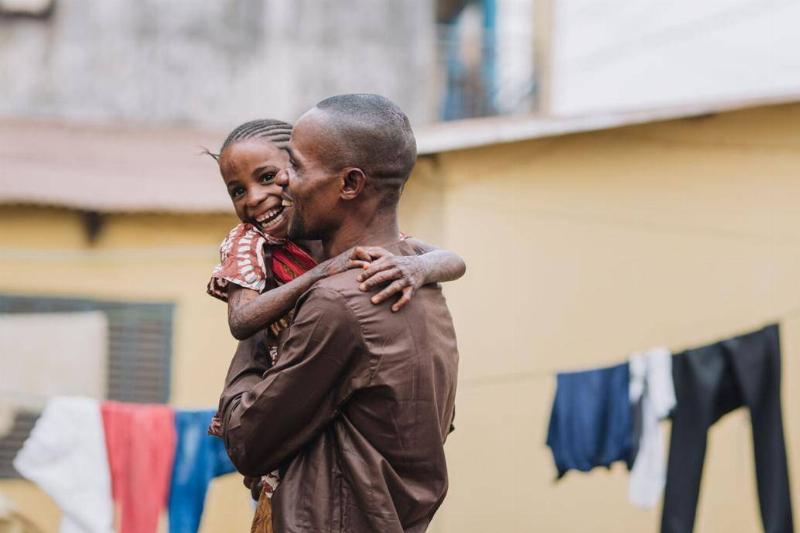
(214, 63)
(580, 250)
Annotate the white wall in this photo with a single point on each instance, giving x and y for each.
(617, 55)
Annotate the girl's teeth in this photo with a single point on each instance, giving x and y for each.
(272, 213)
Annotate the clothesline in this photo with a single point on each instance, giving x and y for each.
(612, 414)
(100, 448)
(516, 377)
(36, 400)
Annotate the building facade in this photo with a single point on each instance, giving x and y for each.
(580, 249)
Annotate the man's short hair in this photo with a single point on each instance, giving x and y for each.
(373, 134)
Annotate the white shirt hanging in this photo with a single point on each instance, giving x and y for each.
(66, 456)
(651, 382)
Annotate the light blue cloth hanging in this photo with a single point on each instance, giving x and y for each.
(199, 458)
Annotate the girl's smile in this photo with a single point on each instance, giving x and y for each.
(249, 168)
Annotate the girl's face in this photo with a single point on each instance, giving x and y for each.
(249, 168)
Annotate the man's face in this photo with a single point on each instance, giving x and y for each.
(310, 185)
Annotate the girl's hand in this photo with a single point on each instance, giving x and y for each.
(215, 427)
(255, 486)
(346, 260)
(403, 273)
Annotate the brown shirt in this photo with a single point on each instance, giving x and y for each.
(355, 412)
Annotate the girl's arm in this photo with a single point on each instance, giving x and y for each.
(439, 265)
(250, 312)
(406, 274)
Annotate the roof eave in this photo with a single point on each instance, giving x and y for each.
(475, 133)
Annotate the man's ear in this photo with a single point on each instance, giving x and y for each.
(353, 182)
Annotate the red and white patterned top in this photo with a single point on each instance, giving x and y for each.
(243, 257)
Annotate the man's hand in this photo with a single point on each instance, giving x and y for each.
(403, 274)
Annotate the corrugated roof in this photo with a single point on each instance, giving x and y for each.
(128, 169)
(109, 169)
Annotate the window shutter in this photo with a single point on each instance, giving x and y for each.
(12, 441)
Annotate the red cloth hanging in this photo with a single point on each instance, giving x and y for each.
(140, 441)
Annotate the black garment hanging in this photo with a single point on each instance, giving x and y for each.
(709, 383)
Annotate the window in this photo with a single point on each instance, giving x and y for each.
(486, 57)
(139, 354)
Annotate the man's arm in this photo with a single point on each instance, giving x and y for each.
(246, 370)
(267, 420)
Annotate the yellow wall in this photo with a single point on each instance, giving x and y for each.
(583, 248)
(580, 249)
(149, 258)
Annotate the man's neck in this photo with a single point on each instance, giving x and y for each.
(381, 230)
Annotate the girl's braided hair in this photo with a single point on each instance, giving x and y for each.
(275, 131)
